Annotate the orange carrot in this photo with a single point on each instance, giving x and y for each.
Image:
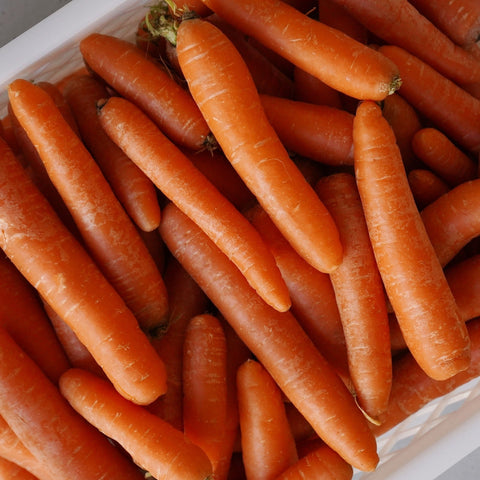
(276, 339)
(53, 261)
(126, 68)
(360, 296)
(318, 132)
(439, 153)
(133, 188)
(153, 444)
(8, 133)
(205, 386)
(411, 272)
(237, 119)
(426, 186)
(453, 220)
(325, 52)
(12, 471)
(413, 32)
(47, 425)
(268, 446)
(454, 111)
(109, 234)
(178, 179)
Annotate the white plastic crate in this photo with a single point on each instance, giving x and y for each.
(423, 446)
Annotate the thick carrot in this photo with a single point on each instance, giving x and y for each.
(310, 89)
(222, 87)
(411, 272)
(153, 444)
(53, 261)
(360, 296)
(47, 425)
(443, 157)
(133, 188)
(318, 132)
(108, 232)
(325, 52)
(452, 109)
(413, 32)
(453, 219)
(205, 386)
(426, 186)
(178, 179)
(127, 69)
(276, 339)
(412, 388)
(268, 445)
(12, 471)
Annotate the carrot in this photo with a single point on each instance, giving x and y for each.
(155, 246)
(320, 50)
(53, 261)
(133, 188)
(300, 428)
(47, 425)
(22, 315)
(454, 111)
(459, 19)
(196, 6)
(108, 232)
(8, 133)
(360, 296)
(186, 300)
(452, 220)
(126, 68)
(268, 446)
(411, 272)
(153, 444)
(178, 179)
(412, 32)
(439, 153)
(276, 339)
(205, 386)
(426, 186)
(12, 471)
(237, 119)
(318, 132)
(313, 299)
(412, 389)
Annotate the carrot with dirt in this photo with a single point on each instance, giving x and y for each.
(360, 296)
(449, 107)
(276, 339)
(109, 234)
(453, 220)
(133, 188)
(426, 186)
(178, 179)
(66, 277)
(133, 75)
(318, 132)
(410, 269)
(153, 444)
(325, 52)
(222, 87)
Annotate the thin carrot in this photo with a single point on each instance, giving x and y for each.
(126, 68)
(12, 471)
(276, 339)
(411, 272)
(413, 32)
(222, 87)
(205, 386)
(318, 132)
(453, 219)
(412, 389)
(153, 444)
(426, 186)
(133, 188)
(454, 111)
(109, 234)
(323, 51)
(53, 261)
(360, 296)
(268, 445)
(178, 179)
(47, 425)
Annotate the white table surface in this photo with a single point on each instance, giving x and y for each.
(17, 16)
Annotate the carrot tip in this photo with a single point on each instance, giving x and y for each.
(395, 84)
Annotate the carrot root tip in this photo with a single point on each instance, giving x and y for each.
(395, 84)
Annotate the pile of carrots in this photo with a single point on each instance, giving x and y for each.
(243, 246)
